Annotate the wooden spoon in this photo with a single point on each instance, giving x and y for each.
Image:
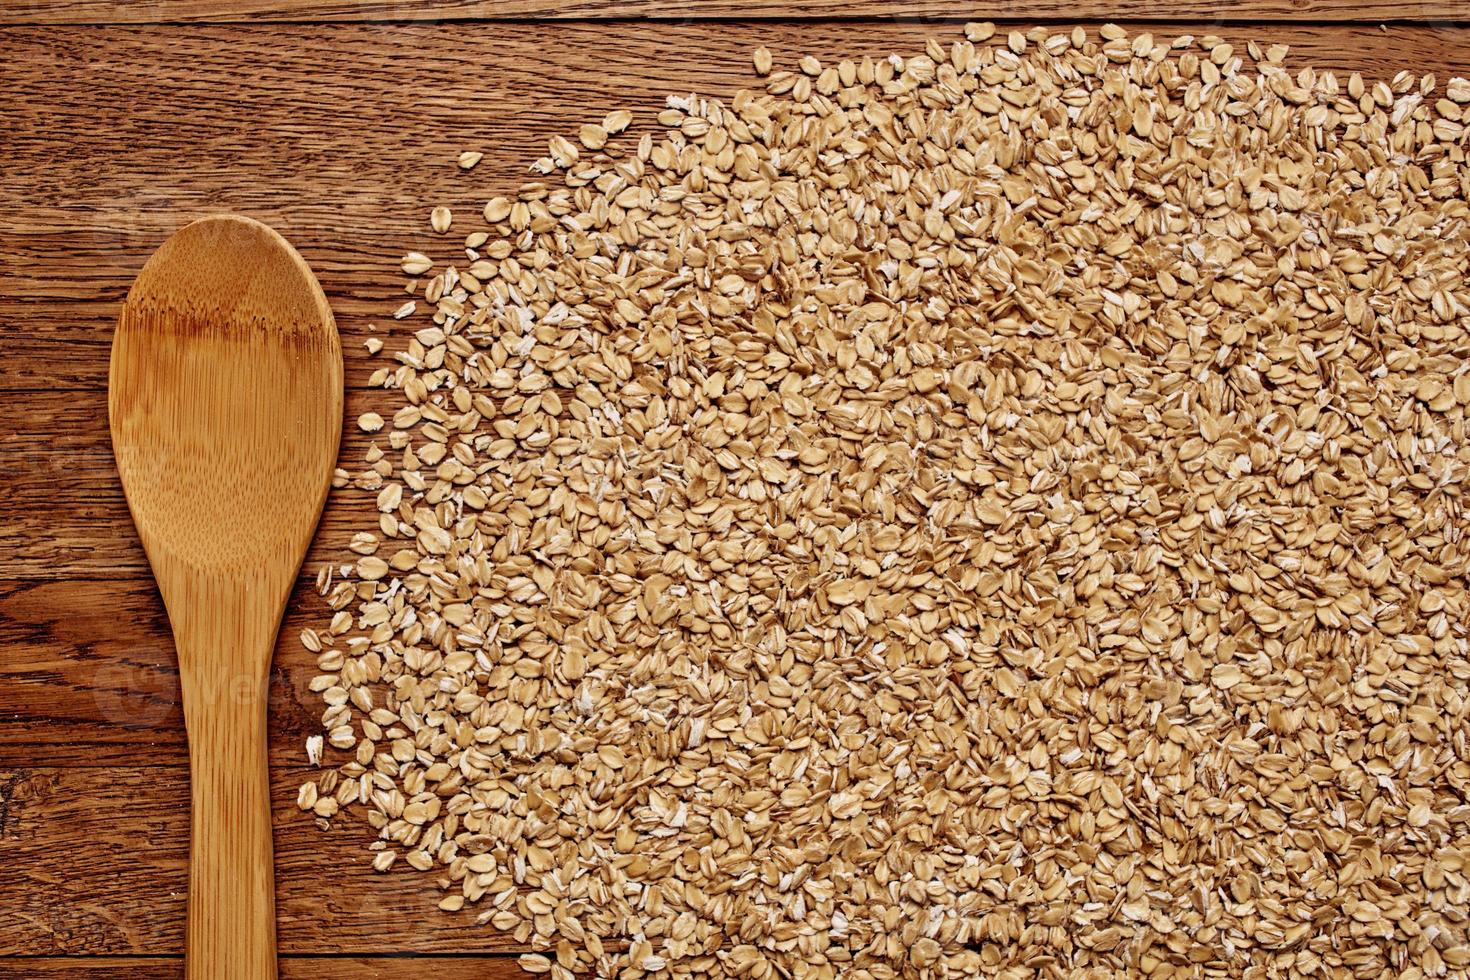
(225, 398)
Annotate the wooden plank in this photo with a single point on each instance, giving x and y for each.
(148, 128)
(88, 677)
(96, 860)
(405, 967)
(111, 11)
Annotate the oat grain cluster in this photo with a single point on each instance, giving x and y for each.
(997, 511)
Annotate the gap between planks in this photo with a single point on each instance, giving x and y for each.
(323, 966)
(162, 12)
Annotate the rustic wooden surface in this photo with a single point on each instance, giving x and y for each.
(341, 135)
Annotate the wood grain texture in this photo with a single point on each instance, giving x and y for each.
(66, 515)
(174, 11)
(89, 677)
(387, 967)
(225, 404)
(341, 136)
(96, 860)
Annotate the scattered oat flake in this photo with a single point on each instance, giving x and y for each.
(497, 209)
(416, 263)
(562, 152)
(617, 121)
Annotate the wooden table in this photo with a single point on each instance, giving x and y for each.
(337, 121)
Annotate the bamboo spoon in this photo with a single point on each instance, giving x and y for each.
(225, 399)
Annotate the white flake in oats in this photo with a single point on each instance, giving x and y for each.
(370, 422)
(440, 218)
(469, 158)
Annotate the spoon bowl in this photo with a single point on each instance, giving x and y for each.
(225, 404)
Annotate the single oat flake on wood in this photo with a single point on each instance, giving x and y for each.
(991, 510)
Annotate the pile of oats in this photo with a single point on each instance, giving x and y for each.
(990, 511)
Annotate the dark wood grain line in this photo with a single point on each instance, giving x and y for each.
(7, 789)
(179, 11)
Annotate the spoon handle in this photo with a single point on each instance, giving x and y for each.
(232, 923)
